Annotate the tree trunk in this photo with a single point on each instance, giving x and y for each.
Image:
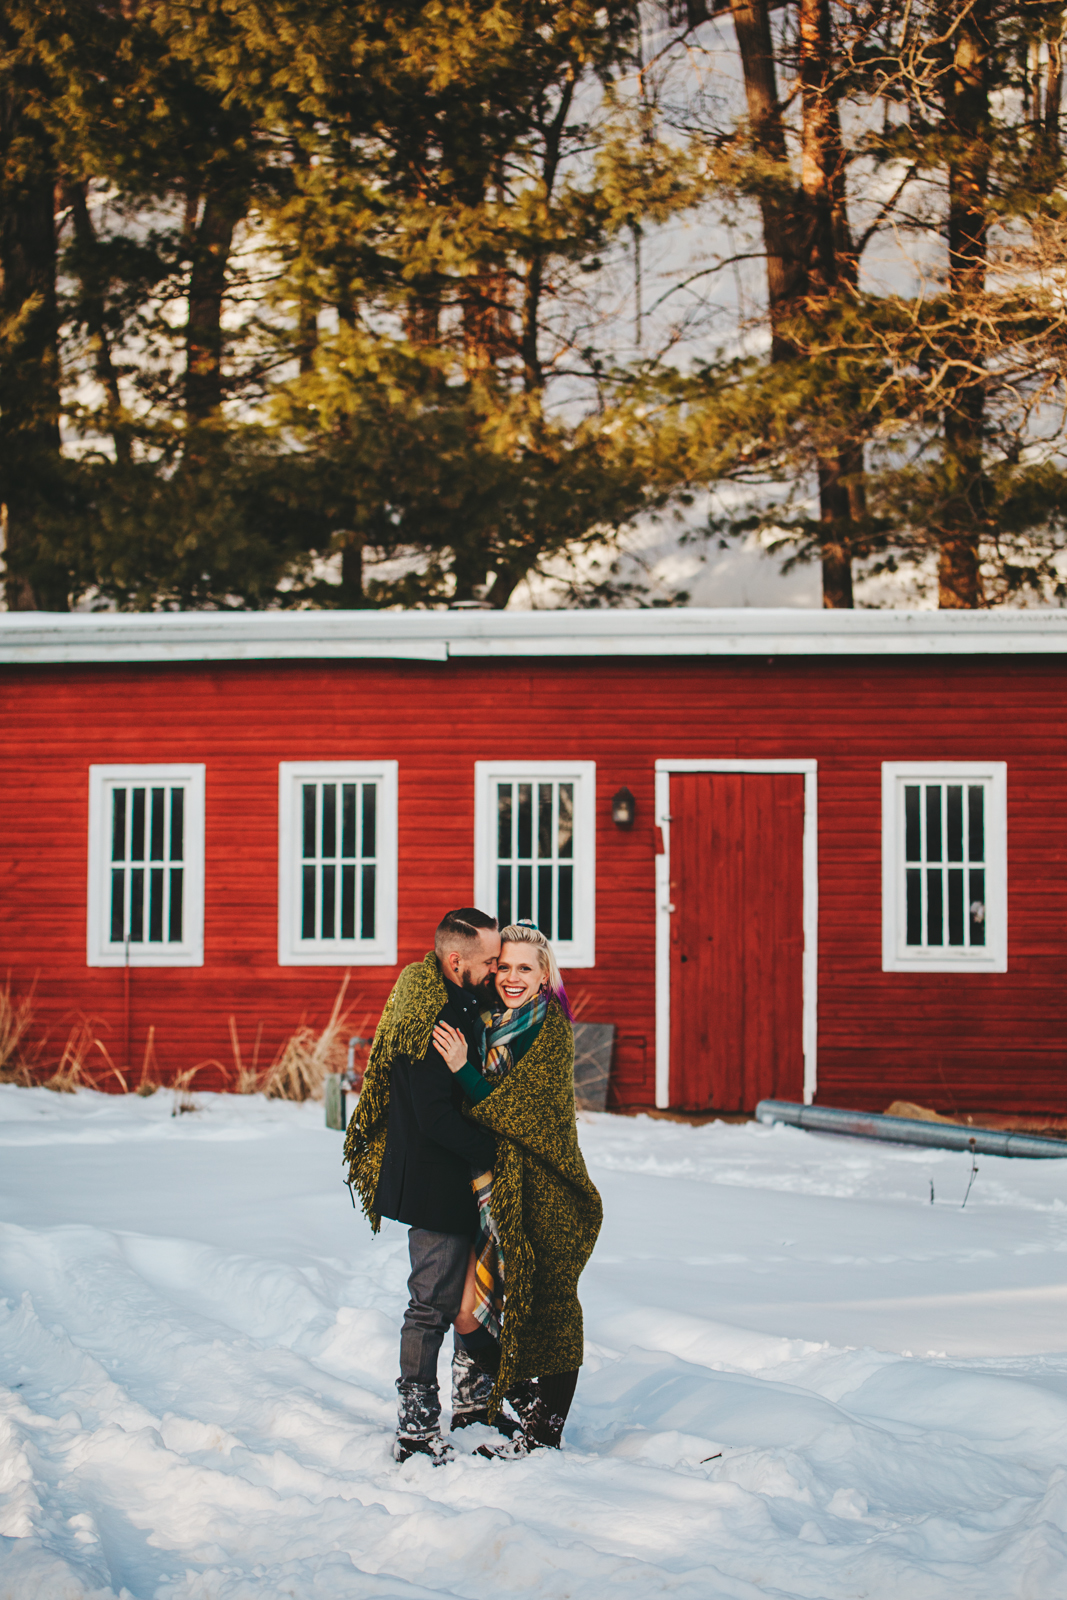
(488, 335)
(831, 267)
(805, 233)
(967, 119)
(831, 260)
(211, 246)
(352, 595)
(94, 284)
(29, 372)
(783, 220)
(422, 316)
(307, 337)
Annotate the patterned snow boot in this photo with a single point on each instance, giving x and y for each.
(541, 1405)
(418, 1431)
(471, 1388)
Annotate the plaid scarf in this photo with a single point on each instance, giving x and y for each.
(509, 1034)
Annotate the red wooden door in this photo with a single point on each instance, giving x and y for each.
(737, 939)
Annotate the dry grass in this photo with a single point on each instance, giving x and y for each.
(298, 1071)
(73, 1071)
(247, 1077)
(17, 1061)
(182, 1087)
(150, 1079)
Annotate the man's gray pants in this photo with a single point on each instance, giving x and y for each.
(438, 1273)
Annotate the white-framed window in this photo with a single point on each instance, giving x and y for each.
(337, 867)
(535, 850)
(146, 865)
(944, 866)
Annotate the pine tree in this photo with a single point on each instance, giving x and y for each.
(453, 242)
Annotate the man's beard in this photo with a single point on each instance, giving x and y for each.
(483, 988)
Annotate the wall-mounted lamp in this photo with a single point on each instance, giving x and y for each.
(623, 809)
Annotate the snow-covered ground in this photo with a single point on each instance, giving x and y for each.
(802, 1378)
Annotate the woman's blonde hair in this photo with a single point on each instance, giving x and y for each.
(527, 933)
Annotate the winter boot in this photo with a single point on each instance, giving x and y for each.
(471, 1388)
(541, 1405)
(543, 1418)
(418, 1429)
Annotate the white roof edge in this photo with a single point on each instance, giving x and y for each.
(29, 638)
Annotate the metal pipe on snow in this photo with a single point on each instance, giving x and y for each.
(903, 1130)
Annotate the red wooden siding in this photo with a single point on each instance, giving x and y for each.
(737, 939)
(956, 1041)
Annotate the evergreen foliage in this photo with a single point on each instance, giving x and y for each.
(307, 304)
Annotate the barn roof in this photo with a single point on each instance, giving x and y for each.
(104, 637)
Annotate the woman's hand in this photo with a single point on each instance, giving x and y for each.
(451, 1045)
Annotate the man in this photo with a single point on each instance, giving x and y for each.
(412, 1153)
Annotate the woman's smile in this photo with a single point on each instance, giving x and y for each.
(518, 977)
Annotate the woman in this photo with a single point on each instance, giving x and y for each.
(538, 1203)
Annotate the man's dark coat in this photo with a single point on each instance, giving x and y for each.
(430, 1147)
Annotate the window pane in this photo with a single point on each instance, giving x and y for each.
(366, 910)
(525, 850)
(544, 820)
(118, 906)
(155, 901)
(328, 882)
(309, 822)
(934, 917)
(503, 825)
(137, 827)
(177, 824)
(137, 894)
(525, 895)
(329, 819)
(348, 896)
(307, 919)
(933, 822)
(118, 825)
(348, 820)
(544, 900)
(370, 827)
(977, 905)
(954, 821)
(155, 847)
(915, 905)
(955, 902)
(566, 825)
(503, 895)
(976, 823)
(912, 832)
(566, 903)
(176, 877)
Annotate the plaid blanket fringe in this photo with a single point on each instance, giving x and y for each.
(488, 1262)
(509, 1034)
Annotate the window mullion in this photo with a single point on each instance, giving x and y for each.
(165, 863)
(924, 898)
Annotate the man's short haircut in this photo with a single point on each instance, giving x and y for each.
(459, 930)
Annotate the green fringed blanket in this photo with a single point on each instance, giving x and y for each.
(547, 1210)
(405, 1029)
(546, 1207)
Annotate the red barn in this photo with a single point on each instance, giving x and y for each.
(814, 855)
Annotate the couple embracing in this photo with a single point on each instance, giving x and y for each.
(465, 1130)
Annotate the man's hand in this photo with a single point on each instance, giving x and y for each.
(451, 1045)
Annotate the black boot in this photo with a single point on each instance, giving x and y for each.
(471, 1389)
(541, 1405)
(418, 1430)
